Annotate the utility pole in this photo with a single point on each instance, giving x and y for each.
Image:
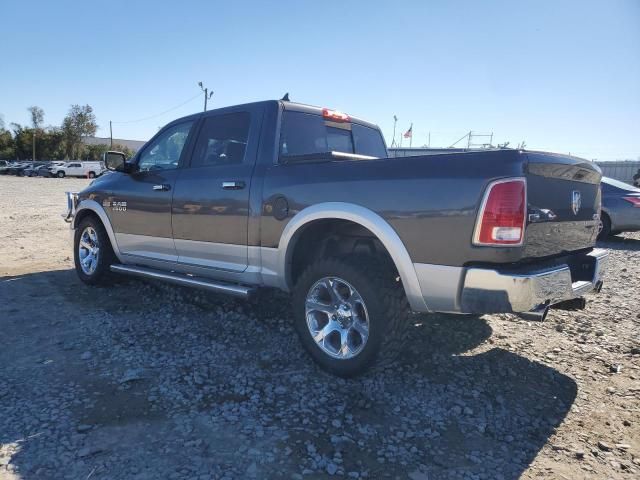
(429, 140)
(34, 145)
(110, 135)
(207, 94)
(393, 140)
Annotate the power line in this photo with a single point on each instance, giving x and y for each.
(161, 113)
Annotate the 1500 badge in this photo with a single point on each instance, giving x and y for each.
(115, 206)
(119, 206)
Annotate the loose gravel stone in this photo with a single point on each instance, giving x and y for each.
(145, 380)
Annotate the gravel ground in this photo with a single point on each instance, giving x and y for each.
(150, 381)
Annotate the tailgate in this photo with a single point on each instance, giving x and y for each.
(564, 201)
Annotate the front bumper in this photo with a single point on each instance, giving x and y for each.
(529, 288)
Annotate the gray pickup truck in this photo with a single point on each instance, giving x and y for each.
(304, 199)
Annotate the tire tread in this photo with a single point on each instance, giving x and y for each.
(380, 272)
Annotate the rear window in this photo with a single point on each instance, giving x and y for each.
(306, 134)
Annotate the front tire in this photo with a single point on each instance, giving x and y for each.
(348, 312)
(60, 174)
(92, 175)
(92, 251)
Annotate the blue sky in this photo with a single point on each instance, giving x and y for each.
(561, 75)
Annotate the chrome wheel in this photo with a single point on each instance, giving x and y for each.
(337, 318)
(89, 251)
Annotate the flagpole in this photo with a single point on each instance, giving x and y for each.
(411, 137)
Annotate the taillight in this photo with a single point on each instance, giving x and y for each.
(501, 219)
(635, 201)
(335, 115)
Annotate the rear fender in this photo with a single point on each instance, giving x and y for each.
(364, 217)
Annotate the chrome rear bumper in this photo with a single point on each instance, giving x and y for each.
(523, 290)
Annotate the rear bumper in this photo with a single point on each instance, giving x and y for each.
(533, 287)
(518, 289)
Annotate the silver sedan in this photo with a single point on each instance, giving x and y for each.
(620, 207)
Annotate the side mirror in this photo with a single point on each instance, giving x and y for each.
(115, 161)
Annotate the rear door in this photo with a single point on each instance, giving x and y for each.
(139, 206)
(211, 199)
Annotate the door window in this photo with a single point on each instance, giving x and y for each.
(164, 152)
(222, 140)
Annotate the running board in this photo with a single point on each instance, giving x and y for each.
(184, 280)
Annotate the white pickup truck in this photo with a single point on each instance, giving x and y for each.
(78, 169)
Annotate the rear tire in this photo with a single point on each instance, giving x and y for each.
(60, 174)
(92, 175)
(379, 297)
(606, 227)
(92, 252)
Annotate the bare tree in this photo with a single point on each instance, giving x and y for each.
(37, 117)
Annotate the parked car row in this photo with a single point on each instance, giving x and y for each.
(58, 169)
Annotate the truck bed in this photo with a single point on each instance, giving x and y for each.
(432, 201)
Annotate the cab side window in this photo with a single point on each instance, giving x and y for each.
(164, 152)
(222, 140)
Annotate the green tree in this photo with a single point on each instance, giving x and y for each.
(22, 137)
(51, 144)
(7, 145)
(79, 122)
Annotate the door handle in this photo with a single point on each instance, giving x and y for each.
(233, 185)
(161, 188)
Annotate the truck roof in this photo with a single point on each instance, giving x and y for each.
(285, 105)
(302, 107)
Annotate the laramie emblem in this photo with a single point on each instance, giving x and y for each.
(576, 201)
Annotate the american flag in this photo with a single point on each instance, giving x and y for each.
(409, 133)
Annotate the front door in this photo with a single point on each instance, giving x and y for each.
(211, 198)
(139, 207)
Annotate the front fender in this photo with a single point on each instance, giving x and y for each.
(86, 206)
